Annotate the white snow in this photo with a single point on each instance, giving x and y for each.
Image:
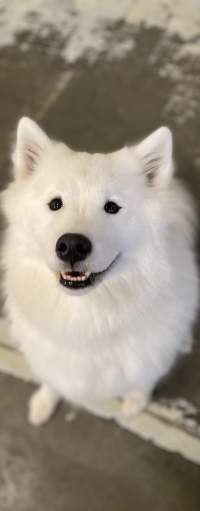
(86, 28)
(83, 26)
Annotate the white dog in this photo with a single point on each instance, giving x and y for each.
(101, 281)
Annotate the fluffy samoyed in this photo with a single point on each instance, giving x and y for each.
(101, 280)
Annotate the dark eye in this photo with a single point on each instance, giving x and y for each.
(55, 204)
(111, 207)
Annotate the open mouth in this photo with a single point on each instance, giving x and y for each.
(77, 279)
(82, 279)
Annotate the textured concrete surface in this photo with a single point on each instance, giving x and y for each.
(84, 464)
(99, 105)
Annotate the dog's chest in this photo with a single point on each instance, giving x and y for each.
(88, 347)
(79, 370)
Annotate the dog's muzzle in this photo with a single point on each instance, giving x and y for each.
(82, 279)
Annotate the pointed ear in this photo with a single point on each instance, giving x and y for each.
(155, 152)
(31, 141)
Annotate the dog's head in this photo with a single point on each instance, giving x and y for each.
(83, 215)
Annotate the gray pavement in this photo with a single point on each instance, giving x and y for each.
(85, 464)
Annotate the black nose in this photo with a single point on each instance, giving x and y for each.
(73, 247)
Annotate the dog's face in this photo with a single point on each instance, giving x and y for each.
(82, 215)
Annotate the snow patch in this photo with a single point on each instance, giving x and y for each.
(83, 26)
(78, 29)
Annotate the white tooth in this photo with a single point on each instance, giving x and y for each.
(80, 278)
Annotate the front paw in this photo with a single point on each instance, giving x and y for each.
(133, 404)
(41, 406)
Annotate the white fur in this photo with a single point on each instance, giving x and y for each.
(119, 338)
(41, 405)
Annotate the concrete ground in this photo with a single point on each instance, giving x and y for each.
(85, 464)
(138, 74)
